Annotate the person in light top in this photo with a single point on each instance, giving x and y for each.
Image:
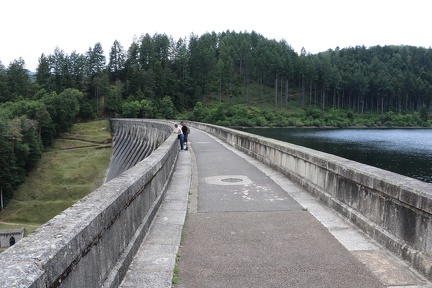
(180, 136)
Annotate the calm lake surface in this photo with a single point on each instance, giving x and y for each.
(403, 151)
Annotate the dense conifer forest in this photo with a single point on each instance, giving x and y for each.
(229, 78)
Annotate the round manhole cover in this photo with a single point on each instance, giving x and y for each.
(232, 180)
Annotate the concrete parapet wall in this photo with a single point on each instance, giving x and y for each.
(92, 243)
(393, 209)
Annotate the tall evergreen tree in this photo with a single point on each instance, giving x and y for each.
(116, 64)
(79, 64)
(97, 60)
(18, 81)
(97, 80)
(4, 90)
(43, 73)
(180, 66)
(8, 178)
(58, 62)
(133, 71)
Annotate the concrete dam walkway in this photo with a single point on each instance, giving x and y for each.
(246, 225)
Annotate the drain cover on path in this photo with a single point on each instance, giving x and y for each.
(228, 180)
(232, 180)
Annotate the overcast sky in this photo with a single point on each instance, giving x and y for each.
(29, 28)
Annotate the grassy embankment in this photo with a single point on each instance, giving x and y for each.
(74, 166)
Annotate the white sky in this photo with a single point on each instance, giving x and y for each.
(29, 28)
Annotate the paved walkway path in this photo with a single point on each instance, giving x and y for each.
(248, 226)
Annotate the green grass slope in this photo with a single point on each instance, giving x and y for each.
(73, 167)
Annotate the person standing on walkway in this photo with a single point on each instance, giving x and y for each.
(185, 131)
(180, 136)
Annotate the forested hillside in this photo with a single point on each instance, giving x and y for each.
(227, 78)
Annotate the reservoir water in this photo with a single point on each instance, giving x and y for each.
(404, 151)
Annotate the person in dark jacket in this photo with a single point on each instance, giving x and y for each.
(185, 131)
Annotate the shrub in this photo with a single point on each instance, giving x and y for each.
(166, 108)
(199, 113)
(317, 123)
(131, 109)
(424, 114)
(299, 123)
(314, 113)
(261, 121)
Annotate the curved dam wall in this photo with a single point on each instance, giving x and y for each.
(92, 243)
(134, 141)
(393, 209)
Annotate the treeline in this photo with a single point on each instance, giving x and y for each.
(203, 78)
(224, 66)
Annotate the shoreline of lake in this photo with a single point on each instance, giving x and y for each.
(329, 127)
(406, 151)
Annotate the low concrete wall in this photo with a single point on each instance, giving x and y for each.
(393, 209)
(92, 243)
